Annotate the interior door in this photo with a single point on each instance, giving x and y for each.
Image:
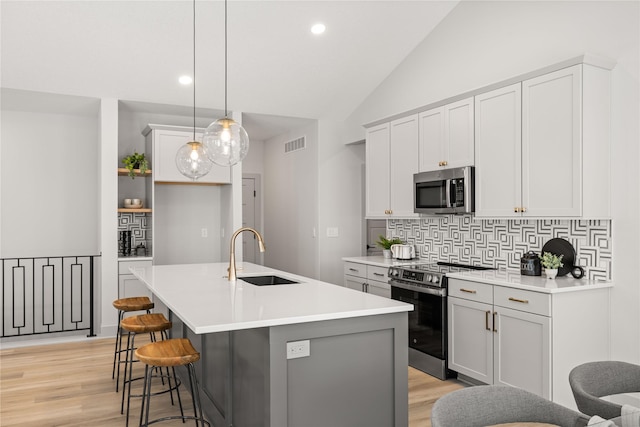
(249, 245)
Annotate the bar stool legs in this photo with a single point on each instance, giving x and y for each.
(144, 323)
(126, 305)
(170, 353)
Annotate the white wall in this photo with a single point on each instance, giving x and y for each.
(50, 184)
(480, 43)
(291, 203)
(340, 183)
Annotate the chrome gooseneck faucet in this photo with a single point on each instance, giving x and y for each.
(232, 253)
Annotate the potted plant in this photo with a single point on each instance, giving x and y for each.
(386, 244)
(136, 161)
(551, 262)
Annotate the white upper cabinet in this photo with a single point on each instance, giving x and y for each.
(391, 161)
(377, 170)
(165, 142)
(498, 152)
(446, 136)
(551, 146)
(542, 146)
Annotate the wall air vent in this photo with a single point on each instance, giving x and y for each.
(295, 145)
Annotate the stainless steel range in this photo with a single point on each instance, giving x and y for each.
(425, 286)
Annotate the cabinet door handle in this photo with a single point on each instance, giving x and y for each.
(378, 274)
(516, 209)
(495, 329)
(523, 209)
(353, 269)
(469, 291)
(486, 320)
(445, 163)
(523, 301)
(364, 287)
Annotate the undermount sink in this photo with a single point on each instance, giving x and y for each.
(267, 280)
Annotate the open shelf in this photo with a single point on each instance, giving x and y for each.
(130, 210)
(125, 172)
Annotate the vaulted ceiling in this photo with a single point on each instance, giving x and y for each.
(136, 50)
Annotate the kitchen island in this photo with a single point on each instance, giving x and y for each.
(355, 372)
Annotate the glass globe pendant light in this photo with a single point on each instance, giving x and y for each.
(226, 142)
(191, 159)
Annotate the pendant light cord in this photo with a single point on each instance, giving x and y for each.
(225, 59)
(194, 70)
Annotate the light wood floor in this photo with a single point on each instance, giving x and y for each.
(70, 385)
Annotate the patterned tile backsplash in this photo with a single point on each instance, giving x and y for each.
(140, 226)
(501, 243)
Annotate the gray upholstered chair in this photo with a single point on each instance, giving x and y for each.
(497, 404)
(590, 381)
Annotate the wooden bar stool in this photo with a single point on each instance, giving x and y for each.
(143, 324)
(170, 353)
(126, 305)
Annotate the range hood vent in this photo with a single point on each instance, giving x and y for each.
(295, 145)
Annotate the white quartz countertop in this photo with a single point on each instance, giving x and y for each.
(513, 279)
(381, 261)
(202, 297)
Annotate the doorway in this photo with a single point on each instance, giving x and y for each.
(251, 217)
(375, 228)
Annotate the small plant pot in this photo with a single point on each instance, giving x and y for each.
(551, 273)
(386, 253)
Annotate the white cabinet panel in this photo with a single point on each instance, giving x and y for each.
(367, 278)
(377, 170)
(522, 351)
(459, 133)
(391, 161)
(498, 152)
(542, 146)
(128, 285)
(165, 145)
(446, 136)
(551, 143)
(470, 342)
(403, 163)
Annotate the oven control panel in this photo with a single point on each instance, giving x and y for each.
(414, 276)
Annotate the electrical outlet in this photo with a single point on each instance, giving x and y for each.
(332, 232)
(204, 232)
(298, 349)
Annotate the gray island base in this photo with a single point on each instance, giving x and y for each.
(355, 373)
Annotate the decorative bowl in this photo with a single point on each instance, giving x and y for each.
(132, 205)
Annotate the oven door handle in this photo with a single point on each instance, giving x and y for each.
(440, 292)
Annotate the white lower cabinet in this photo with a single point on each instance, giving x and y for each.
(367, 278)
(525, 339)
(128, 284)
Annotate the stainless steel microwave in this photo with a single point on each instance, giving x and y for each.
(447, 191)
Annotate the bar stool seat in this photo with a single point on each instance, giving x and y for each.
(170, 353)
(126, 305)
(142, 324)
(133, 304)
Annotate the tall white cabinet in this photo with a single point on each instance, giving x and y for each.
(391, 160)
(542, 146)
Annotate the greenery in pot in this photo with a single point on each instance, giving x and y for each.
(550, 260)
(385, 243)
(136, 161)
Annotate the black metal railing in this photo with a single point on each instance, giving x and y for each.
(47, 295)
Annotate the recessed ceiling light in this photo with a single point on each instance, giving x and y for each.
(318, 28)
(185, 80)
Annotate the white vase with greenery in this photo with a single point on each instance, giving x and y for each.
(551, 262)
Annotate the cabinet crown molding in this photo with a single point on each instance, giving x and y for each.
(586, 59)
